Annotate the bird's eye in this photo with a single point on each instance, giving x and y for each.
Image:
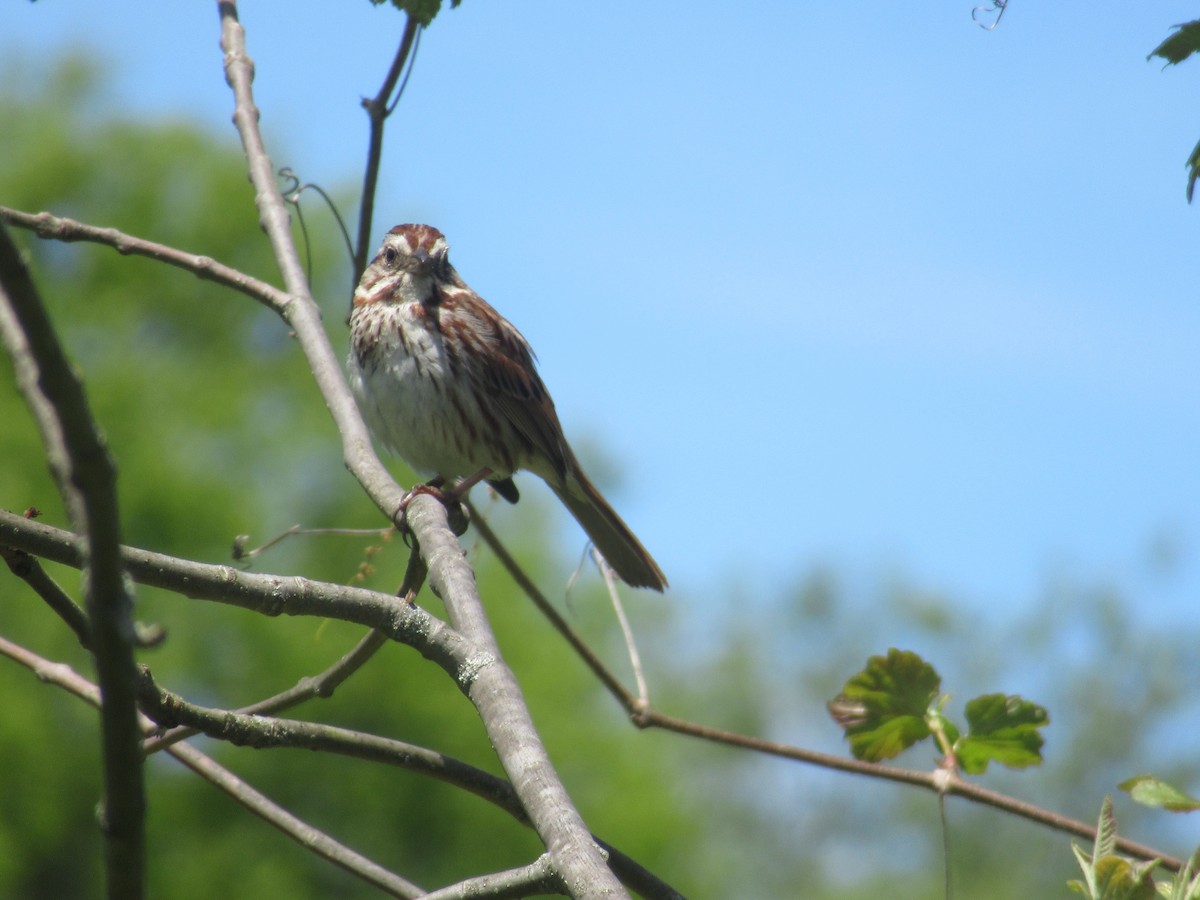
(389, 256)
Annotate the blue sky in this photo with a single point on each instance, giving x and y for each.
(826, 283)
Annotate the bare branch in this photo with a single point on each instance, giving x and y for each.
(635, 658)
(324, 684)
(270, 595)
(646, 717)
(525, 583)
(536, 878)
(266, 732)
(297, 829)
(321, 685)
(63, 676)
(501, 705)
(87, 480)
(301, 312)
(378, 109)
(50, 227)
(29, 570)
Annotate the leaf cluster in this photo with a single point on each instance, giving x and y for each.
(1175, 49)
(423, 11)
(895, 702)
(1110, 876)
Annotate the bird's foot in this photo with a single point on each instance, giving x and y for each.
(451, 499)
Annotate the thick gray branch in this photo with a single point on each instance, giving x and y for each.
(87, 480)
(499, 701)
(274, 595)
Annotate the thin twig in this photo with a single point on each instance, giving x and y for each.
(646, 717)
(635, 659)
(518, 574)
(51, 227)
(63, 676)
(86, 478)
(270, 595)
(378, 109)
(297, 829)
(324, 684)
(29, 569)
(538, 877)
(321, 685)
(263, 732)
(241, 554)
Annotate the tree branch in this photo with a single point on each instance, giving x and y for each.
(29, 569)
(310, 838)
(270, 595)
(378, 109)
(500, 703)
(273, 595)
(538, 877)
(264, 732)
(301, 312)
(50, 227)
(87, 480)
(324, 684)
(645, 716)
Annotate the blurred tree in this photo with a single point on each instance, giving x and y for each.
(217, 431)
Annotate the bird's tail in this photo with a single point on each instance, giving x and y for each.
(608, 532)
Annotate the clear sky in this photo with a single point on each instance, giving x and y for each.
(846, 283)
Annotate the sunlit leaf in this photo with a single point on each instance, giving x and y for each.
(1151, 791)
(882, 708)
(1001, 729)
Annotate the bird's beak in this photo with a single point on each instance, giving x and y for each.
(424, 262)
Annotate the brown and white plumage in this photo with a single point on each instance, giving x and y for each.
(448, 384)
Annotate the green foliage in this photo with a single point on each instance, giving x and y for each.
(883, 708)
(893, 704)
(1180, 45)
(1151, 791)
(217, 431)
(1175, 49)
(1001, 729)
(421, 10)
(1186, 883)
(1107, 876)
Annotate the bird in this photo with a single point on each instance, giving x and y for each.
(451, 386)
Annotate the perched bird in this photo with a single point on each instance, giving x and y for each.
(448, 384)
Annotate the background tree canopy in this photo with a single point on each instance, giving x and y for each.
(217, 432)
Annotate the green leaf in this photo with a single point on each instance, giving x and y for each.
(421, 10)
(1186, 883)
(1106, 830)
(1151, 791)
(1087, 887)
(1193, 165)
(1179, 46)
(882, 708)
(1119, 879)
(1002, 729)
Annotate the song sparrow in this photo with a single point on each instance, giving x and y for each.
(447, 383)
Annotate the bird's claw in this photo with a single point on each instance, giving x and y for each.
(451, 499)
